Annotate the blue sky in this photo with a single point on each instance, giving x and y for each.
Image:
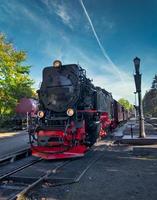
(103, 36)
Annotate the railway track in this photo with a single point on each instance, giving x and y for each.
(17, 169)
(153, 122)
(9, 158)
(20, 182)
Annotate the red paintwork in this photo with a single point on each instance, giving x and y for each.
(105, 123)
(65, 148)
(87, 111)
(50, 153)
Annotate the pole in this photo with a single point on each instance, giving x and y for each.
(138, 77)
(141, 117)
(135, 107)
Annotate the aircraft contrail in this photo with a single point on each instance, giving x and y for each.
(99, 43)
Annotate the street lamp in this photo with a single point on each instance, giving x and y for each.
(135, 107)
(137, 77)
(137, 64)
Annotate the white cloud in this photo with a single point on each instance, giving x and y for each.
(37, 82)
(61, 10)
(62, 13)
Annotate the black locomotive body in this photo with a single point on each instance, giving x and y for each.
(72, 113)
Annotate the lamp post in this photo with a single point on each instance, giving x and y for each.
(137, 77)
(135, 106)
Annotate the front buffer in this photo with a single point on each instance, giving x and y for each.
(50, 144)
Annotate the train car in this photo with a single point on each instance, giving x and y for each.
(126, 115)
(72, 113)
(26, 108)
(108, 114)
(120, 114)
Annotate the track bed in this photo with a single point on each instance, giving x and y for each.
(118, 174)
(108, 171)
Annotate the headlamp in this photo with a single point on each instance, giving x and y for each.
(40, 114)
(57, 63)
(70, 112)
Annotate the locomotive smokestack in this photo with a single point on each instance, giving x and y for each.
(57, 63)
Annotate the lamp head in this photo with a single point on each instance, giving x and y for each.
(137, 64)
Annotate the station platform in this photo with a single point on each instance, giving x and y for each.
(135, 140)
(129, 134)
(11, 142)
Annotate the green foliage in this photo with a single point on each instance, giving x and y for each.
(125, 103)
(150, 100)
(154, 83)
(15, 81)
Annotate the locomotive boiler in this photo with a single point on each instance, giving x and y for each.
(72, 113)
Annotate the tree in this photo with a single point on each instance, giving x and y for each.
(154, 83)
(15, 81)
(125, 103)
(150, 100)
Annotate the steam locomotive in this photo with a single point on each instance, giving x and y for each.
(72, 114)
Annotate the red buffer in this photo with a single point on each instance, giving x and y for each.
(59, 144)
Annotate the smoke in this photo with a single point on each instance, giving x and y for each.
(114, 67)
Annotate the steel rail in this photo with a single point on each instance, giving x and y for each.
(87, 168)
(70, 181)
(24, 192)
(78, 178)
(19, 169)
(151, 123)
(15, 155)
